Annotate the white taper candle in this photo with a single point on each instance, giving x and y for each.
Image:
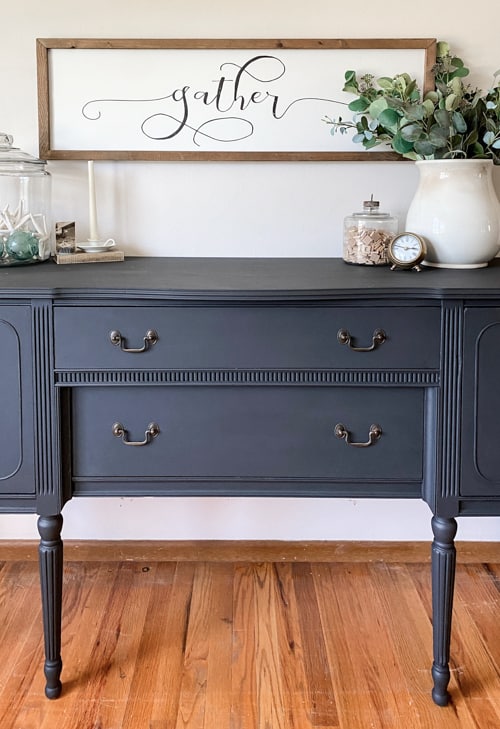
(94, 232)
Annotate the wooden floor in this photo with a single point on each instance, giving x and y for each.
(249, 645)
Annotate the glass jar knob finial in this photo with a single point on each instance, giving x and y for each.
(6, 140)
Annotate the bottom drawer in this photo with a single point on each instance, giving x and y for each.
(237, 433)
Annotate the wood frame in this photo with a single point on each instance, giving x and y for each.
(48, 110)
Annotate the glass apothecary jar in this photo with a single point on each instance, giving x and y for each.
(26, 234)
(367, 235)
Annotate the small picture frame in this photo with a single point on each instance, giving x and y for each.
(65, 237)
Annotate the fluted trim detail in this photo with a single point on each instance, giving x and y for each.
(42, 378)
(451, 398)
(248, 377)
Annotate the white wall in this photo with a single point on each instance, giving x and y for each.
(232, 209)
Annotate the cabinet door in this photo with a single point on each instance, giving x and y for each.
(16, 403)
(481, 403)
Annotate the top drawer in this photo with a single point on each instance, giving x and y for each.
(278, 336)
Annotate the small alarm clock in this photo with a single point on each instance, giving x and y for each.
(406, 250)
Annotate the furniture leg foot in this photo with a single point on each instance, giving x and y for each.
(441, 677)
(51, 567)
(53, 687)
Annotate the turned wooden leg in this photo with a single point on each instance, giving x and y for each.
(51, 567)
(443, 581)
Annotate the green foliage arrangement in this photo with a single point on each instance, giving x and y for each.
(451, 121)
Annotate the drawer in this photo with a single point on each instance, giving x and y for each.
(247, 432)
(246, 337)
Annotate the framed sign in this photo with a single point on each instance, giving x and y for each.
(209, 99)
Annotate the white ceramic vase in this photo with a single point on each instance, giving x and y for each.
(456, 210)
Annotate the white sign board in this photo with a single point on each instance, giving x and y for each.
(207, 99)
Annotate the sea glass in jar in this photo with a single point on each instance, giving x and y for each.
(367, 235)
(26, 234)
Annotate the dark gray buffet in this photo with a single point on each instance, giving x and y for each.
(249, 377)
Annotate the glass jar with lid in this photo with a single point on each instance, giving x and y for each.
(26, 234)
(367, 235)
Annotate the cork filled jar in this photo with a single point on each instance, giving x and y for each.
(367, 235)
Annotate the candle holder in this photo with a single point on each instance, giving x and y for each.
(95, 242)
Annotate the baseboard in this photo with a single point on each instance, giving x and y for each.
(247, 551)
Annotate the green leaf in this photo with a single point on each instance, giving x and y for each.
(416, 112)
(442, 49)
(459, 122)
(400, 145)
(411, 155)
(424, 148)
(389, 118)
(450, 102)
(438, 136)
(360, 104)
(461, 72)
(428, 105)
(394, 102)
(411, 87)
(442, 117)
(411, 132)
(457, 87)
(385, 83)
(471, 138)
(377, 107)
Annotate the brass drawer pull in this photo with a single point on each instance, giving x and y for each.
(373, 435)
(119, 341)
(120, 432)
(344, 337)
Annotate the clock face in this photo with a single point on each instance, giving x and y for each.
(406, 248)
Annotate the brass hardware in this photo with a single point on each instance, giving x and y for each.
(119, 341)
(344, 337)
(120, 432)
(373, 435)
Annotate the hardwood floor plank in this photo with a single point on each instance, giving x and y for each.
(319, 687)
(192, 700)
(220, 647)
(303, 676)
(268, 685)
(244, 713)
